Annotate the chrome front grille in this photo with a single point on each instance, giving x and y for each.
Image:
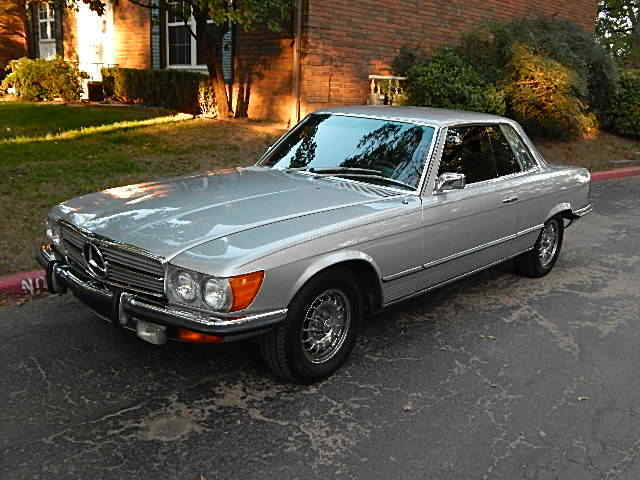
(128, 267)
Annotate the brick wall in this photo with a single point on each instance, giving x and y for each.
(347, 40)
(132, 35)
(265, 71)
(13, 38)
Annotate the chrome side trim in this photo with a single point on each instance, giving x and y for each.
(455, 256)
(404, 273)
(530, 229)
(454, 279)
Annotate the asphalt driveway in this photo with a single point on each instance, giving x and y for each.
(494, 377)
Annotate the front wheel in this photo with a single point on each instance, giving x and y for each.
(539, 261)
(319, 332)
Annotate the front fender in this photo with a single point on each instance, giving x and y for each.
(328, 260)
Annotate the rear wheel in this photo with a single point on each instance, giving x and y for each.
(539, 261)
(320, 330)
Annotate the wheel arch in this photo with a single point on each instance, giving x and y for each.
(363, 267)
(563, 209)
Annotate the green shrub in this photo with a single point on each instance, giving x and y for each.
(569, 81)
(625, 105)
(542, 94)
(39, 79)
(490, 48)
(173, 89)
(447, 81)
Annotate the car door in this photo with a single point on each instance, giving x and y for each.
(470, 228)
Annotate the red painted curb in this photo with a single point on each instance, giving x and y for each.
(33, 283)
(24, 283)
(617, 173)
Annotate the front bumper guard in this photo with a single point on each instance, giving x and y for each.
(136, 307)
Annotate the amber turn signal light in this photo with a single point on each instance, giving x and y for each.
(245, 288)
(197, 337)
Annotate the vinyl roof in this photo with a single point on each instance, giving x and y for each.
(434, 116)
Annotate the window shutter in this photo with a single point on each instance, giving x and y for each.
(227, 55)
(59, 31)
(33, 34)
(157, 26)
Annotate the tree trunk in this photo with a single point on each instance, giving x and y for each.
(223, 102)
(210, 40)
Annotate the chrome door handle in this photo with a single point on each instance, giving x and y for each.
(510, 199)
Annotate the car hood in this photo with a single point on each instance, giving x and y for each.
(169, 217)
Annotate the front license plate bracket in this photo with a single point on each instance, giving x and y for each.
(151, 332)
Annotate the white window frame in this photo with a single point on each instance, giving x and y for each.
(48, 21)
(194, 44)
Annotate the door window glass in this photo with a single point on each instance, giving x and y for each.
(468, 150)
(480, 152)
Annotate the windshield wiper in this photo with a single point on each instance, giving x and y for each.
(344, 170)
(378, 178)
(357, 173)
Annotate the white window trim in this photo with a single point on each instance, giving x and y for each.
(194, 44)
(48, 21)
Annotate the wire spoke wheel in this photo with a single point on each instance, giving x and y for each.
(325, 326)
(549, 241)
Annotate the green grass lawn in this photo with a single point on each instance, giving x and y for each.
(26, 119)
(57, 152)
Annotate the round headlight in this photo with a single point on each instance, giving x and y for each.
(53, 232)
(217, 294)
(186, 287)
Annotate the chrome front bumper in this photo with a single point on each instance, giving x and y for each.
(125, 308)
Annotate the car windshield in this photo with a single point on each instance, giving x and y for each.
(377, 151)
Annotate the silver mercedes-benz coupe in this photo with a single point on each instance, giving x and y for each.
(352, 210)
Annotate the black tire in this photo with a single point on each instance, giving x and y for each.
(531, 264)
(282, 348)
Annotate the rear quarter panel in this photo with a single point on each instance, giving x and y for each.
(546, 192)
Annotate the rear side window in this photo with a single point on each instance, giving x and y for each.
(506, 161)
(480, 152)
(521, 151)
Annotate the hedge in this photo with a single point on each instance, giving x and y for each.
(625, 106)
(188, 92)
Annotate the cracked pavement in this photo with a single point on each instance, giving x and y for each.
(496, 376)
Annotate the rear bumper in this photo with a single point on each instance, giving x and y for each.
(125, 308)
(581, 212)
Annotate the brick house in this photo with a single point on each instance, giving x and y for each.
(325, 57)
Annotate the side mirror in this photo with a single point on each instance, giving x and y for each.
(450, 181)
